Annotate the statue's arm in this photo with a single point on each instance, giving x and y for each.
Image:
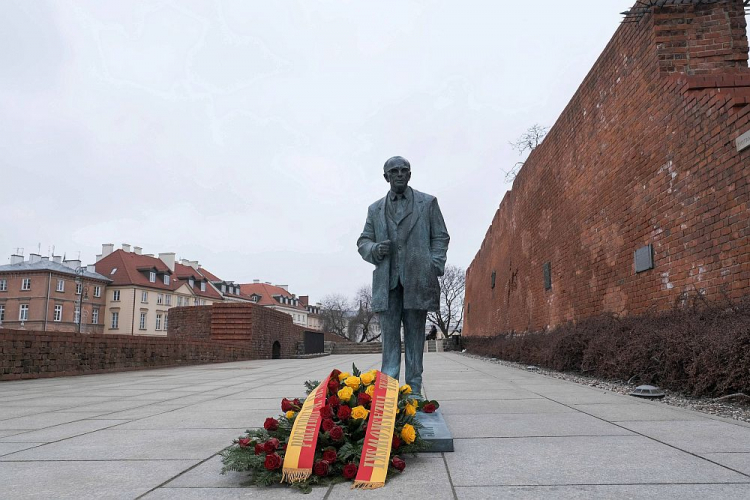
(439, 238)
(366, 243)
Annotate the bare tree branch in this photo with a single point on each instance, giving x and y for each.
(364, 327)
(528, 141)
(449, 317)
(333, 310)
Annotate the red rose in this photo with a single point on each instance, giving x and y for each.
(333, 401)
(396, 443)
(328, 424)
(429, 408)
(350, 471)
(363, 399)
(297, 403)
(326, 412)
(335, 374)
(259, 449)
(273, 461)
(321, 468)
(286, 405)
(271, 424)
(271, 445)
(398, 464)
(244, 442)
(344, 412)
(333, 385)
(329, 455)
(336, 433)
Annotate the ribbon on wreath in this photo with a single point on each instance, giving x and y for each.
(300, 451)
(376, 452)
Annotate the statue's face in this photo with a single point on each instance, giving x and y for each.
(398, 177)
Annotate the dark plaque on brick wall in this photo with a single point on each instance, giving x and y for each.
(644, 259)
(547, 269)
(314, 342)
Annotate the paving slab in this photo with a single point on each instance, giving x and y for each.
(700, 436)
(528, 425)
(501, 406)
(635, 411)
(43, 420)
(274, 492)
(737, 461)
(627, 491)
(62, 431)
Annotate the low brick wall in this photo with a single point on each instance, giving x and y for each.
(26, 354)
(191, 322)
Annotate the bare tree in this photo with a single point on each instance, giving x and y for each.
(449, 317)
(333, 310)
(528, 141)
(363, 327)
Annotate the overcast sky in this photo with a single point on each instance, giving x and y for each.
(251, 135)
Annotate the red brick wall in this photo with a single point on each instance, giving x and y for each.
(189, 322)
(28, 354)
(644, 153)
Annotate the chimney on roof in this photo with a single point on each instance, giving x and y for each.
(194, 264)
(284, 287)
(137, 250)
(57, 259)
(254, 281)
(148, 255)
(125, 247)
(73, 264)
(168, 259)
(35, 257)
(91, 268)
(16, 259)
(304, 300)
(98, 257)
(45, 259)
(268, 282)
(107, 248)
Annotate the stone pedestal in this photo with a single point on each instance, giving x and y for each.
(435, 431)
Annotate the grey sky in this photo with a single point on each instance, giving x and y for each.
(250, 135)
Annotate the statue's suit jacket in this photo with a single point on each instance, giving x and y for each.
(421, 240)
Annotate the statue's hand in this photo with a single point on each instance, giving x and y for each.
(384, 248)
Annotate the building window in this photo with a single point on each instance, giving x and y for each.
(115, 320)
(58, 313)
(115, 295)
(26, 284)
(79, 288)
(144, 297)
(179, 300)
(95, 317)
(152, 277)
(224, 289)
(160, 299)
(3, 285)
(158, 322)
(203, 286)
(197, 302)
(168, 300)
(60, 285)
(166, 279)
(166, 320)
(142, 324)
(23, 313)
(2, 313)
(191, 282)
(77, 315)
(97, 291)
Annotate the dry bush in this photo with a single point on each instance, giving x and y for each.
(702, 349)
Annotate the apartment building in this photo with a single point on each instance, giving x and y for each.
(52, 294)
(144, 287)
(229, 290)
(277, 297)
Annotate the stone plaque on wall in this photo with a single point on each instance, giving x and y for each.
(743, 141)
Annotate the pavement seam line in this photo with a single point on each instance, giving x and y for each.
(450, 479)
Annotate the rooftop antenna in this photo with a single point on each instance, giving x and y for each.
(19, 251)
(39, 248)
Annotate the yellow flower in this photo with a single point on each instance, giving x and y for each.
(360, 412)
(352, 382)
(408, 434)
(290, 414)
(343, 376)
(370, 390)
(345, 394)
(410, 410)
(405, 389)
(367, 378)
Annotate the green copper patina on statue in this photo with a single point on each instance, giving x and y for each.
(406, 239)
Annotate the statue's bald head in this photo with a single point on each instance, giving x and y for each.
(396, 162)
(397, 171)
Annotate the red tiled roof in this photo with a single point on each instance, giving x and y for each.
(184, 273)
(266, 293)
(208, 275)
(127, 272)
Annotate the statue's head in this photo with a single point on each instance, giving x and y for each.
(397, 171)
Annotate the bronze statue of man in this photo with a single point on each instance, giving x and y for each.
(406, 239)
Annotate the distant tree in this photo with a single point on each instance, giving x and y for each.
(449, 317)
(362, 323)
(528, 141)
(333, 310)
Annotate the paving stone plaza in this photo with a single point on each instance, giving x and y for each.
(156, 435)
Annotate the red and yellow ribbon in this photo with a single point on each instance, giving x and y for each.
(376, 452)
(300, 451)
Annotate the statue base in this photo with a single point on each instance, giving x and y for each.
(435, 431)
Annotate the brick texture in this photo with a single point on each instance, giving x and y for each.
(28, 354)
(644, 153)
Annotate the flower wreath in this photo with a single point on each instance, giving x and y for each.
(352, 426)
